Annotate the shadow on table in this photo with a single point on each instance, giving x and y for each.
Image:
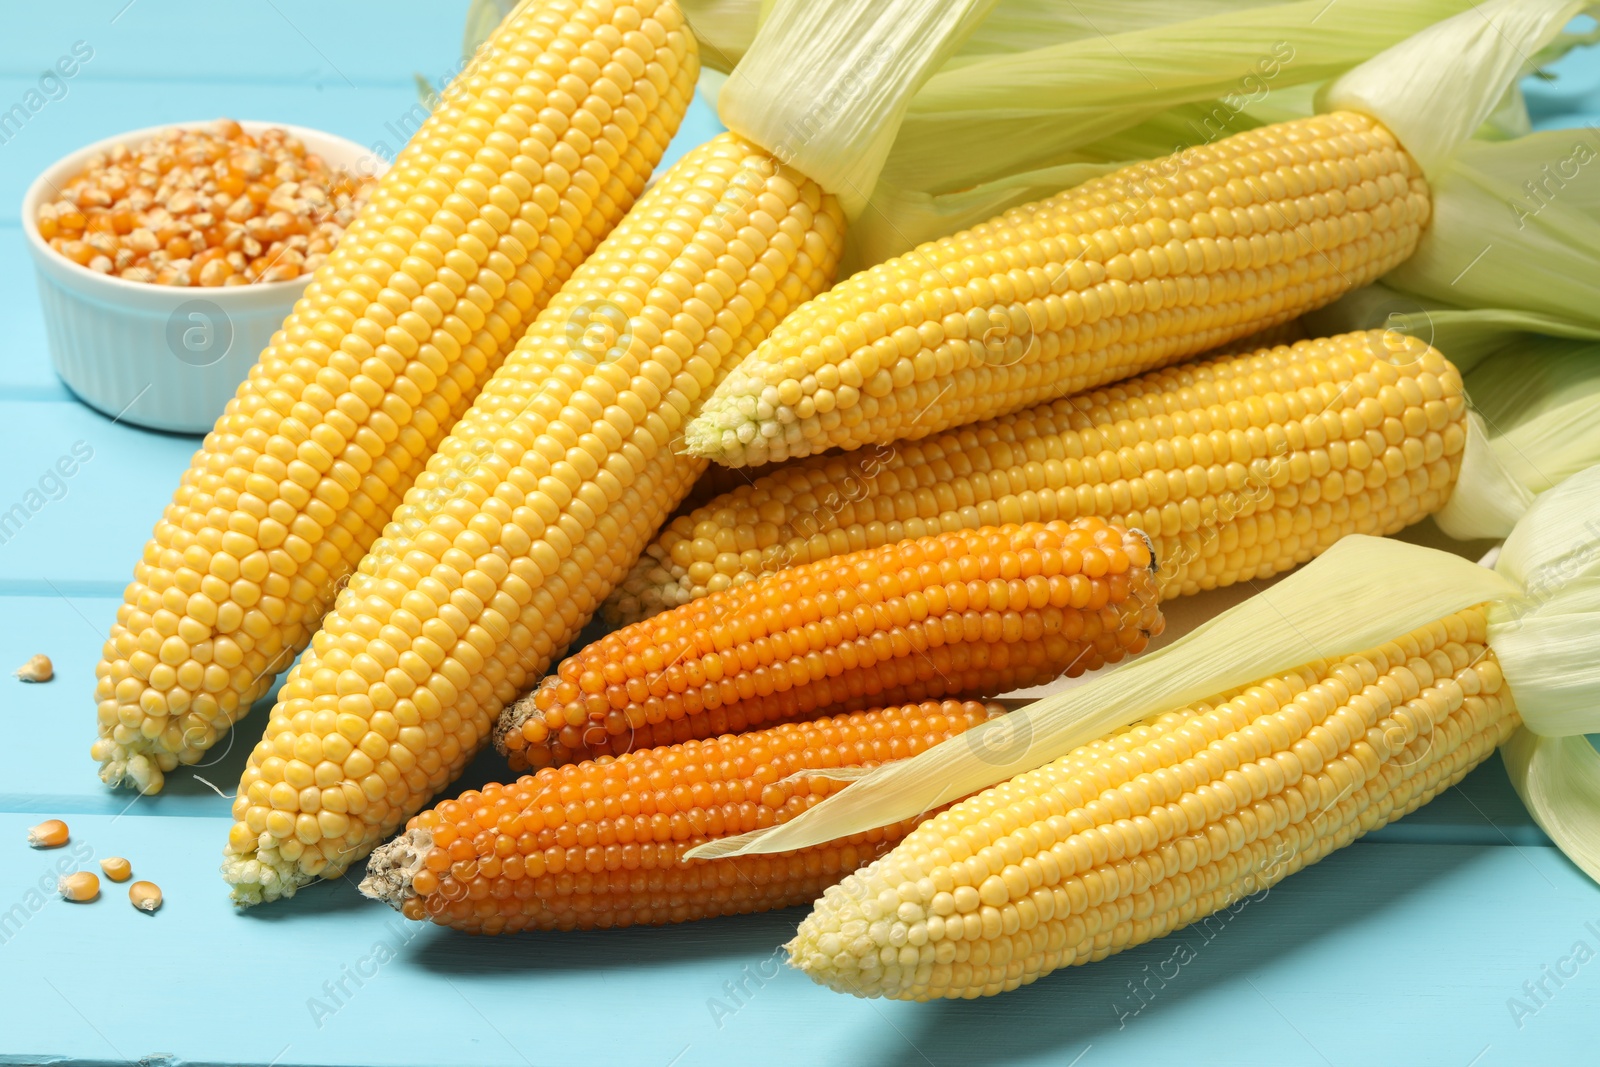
(450, 953)
(1063, 1014)
(319, 900)
(223, 766)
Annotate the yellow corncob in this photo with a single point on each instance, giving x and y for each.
(1237, 467)
(536, 151)
(1130, 271)
(1158, 826)
(529, 513)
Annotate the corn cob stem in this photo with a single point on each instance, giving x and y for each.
(971, 611)
(1124, 840)
(1238, 467)
(1130, 271)
(600, 844)
(533, 154)
(531, 511)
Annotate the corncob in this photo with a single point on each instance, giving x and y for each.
(600, 844)
(529, 513)
(1129, 838)
(535, 151)
(970, 611)
(1133, 270)
(1238, 468)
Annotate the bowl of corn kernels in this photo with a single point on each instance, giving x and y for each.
(167, 257)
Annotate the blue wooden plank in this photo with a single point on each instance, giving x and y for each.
(58, 718)
(289, 42)
(25, 371)
(79, 495)
(1424, 945)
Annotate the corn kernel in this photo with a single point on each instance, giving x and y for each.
(37, 669)
(52, 833)
(116, 868)
(146, 896)
(79, 887)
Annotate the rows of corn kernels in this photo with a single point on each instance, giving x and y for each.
(984, 465)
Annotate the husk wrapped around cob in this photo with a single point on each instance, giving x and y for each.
(1137, 268)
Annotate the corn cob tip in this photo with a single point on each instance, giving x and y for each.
(259, 876)
(121, 766)
(724, 432)
(392, 866)
(507, 733)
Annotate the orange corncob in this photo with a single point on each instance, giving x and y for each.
(600, 844)
(978, 611)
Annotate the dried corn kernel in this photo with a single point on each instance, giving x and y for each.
(79, 887)
(117, 869)
(37, 669)
(146, 896)
(52, 833)
(195, 193)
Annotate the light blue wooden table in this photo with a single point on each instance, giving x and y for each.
(1415, 946)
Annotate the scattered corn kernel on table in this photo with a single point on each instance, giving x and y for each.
(1458, 936)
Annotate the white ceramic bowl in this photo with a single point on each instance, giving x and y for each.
(160, 356)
